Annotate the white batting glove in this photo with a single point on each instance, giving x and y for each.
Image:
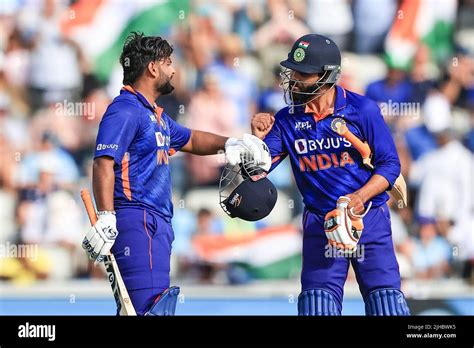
(249, 147)
(101, 237)
(343, 227)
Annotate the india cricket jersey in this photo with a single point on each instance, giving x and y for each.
(326, 165)
(140, 138)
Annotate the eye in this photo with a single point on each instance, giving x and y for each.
(304, 75)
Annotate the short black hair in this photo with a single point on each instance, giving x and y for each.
(138, 51)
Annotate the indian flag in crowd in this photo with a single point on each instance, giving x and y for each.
(271, 253)
(101, 26)
(429, 22)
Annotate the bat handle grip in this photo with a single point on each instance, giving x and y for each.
(87, 199)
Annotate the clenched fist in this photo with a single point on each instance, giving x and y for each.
(261, 124)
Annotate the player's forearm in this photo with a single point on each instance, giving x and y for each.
(376, 185)
(103, 179)
(204, 143)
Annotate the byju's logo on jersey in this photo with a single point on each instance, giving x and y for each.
(107, 146)
(162, 140)
(301, 146)
(303, 125)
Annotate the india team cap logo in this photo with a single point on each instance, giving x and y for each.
(299, 54)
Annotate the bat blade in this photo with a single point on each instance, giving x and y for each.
(121, 296)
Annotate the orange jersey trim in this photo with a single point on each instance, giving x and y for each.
(156, 109)
(149, 239)
(125, 176)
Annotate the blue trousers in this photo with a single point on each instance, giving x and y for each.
(375, 265)
(142, 250)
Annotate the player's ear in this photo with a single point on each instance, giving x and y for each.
(153, 69)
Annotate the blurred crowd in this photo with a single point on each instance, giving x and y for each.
(226, 55)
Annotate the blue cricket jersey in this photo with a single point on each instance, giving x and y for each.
(140, 138)
(326, 165)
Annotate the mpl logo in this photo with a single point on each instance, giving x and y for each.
(153, 118)
(303, 125)
(301, 146)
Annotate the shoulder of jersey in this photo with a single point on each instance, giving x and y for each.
(282, 113)
(125, 98)
(121, 106)
(121, 103)
(360, 102)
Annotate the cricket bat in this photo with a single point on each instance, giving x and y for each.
(122, 299)
(399, 189)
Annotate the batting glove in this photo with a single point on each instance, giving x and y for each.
(101, 237)
(249, 147)
(343, 227)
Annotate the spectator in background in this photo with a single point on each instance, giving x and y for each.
(419, 138)
(55, 61)
(453, 89)
(271, 99)
(395, 87)
(423, 74)
(13, 128)
(212, 111)
(431, 254)
(199, 43)
(234, 83)
(207, 225)
(445, 197)
(8, 193)
(372, 21)
(332, 18)
(458, 82)
(66, 173)
(284, 26)
(246, 18)
(50, 218)
(16, 61)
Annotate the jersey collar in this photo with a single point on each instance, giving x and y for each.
(339, 104)
(155, 108)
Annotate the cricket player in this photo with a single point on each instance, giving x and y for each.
(330, 173)
(131, 174)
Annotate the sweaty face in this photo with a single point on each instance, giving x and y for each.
(163, 84)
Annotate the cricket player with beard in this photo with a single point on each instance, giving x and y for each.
(131, 175)
(344, 196)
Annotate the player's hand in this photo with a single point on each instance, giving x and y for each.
(261, 124)
(356, 203)
(251, 148)
(101, 236)
(343, 228)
